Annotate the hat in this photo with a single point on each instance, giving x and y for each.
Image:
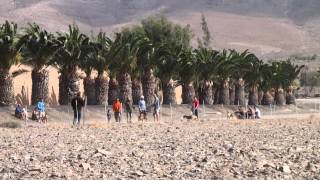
(142, 97)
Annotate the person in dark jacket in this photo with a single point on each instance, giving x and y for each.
(77, 104)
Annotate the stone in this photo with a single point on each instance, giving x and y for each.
(85, 166)
(285, 169)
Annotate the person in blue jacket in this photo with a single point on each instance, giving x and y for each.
(41, 106)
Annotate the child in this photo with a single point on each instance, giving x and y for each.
(108, 115)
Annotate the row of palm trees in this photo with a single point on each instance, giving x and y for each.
(141, 60)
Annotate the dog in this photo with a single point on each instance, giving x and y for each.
(189, 117)
(229, 115)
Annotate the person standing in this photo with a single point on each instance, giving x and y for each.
(41, 106)
(77, 104)
(128, 109)
(142, 109)
(117, 107)
(156, 108)
(257, 112)
(195, 107)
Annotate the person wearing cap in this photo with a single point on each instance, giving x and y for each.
(142, 109)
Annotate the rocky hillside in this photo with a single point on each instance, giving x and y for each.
(268, 27)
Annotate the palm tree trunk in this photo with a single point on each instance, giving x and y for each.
(113, 93)
(148, 85)
(239, 93)
(216, 95)
(280, 97)
(169, 94)
(136, 90)
(290, 98)
(101, 89)
(125, 86)
(267, 99)
(232, 94)
(224, 93)
(89, 90)
(40, 86)
(6, 88)
(260, 96)
(205, 92)
(69, 85)
(253, 96)
(188, 93)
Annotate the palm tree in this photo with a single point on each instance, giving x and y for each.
(243, 64)
(266, 84)
(167, 68)
(37, 49)
(73, 46)
(127, 45)
(224, 73)
(293, 72)
(146, 60)
(101, 57)
(284, 73)
(208, 62)
(187, 74)
(158, 31)
(9, 56)
(253, 78)
(136, 85)
(87, 65)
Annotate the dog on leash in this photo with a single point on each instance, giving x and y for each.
(230, 115)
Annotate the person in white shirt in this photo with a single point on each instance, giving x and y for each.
(257, 112)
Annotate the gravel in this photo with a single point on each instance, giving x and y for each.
(262, 149)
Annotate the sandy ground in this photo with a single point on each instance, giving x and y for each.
(281, 146)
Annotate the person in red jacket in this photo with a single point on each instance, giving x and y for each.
(195, 107)
(117, 108)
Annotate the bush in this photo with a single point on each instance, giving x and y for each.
(10, 124)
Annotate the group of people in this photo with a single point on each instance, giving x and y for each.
(38, 113)
(128, 109)
(77, 103)
(248, 113)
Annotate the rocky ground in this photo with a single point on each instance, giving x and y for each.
(213, 149)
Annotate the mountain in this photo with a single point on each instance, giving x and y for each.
(270, 28)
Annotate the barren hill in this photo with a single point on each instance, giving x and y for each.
(268, 27)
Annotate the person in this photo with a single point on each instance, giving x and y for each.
(77, 104)
(128, 108)
(35, 114)
(117, 110)
(156, 108)
(241, 114)
(18, 111)
(41, 106)
(257, 112)
(24, 114)
(109, 115)
(195, 107)
(251, 113)
(142, 109)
